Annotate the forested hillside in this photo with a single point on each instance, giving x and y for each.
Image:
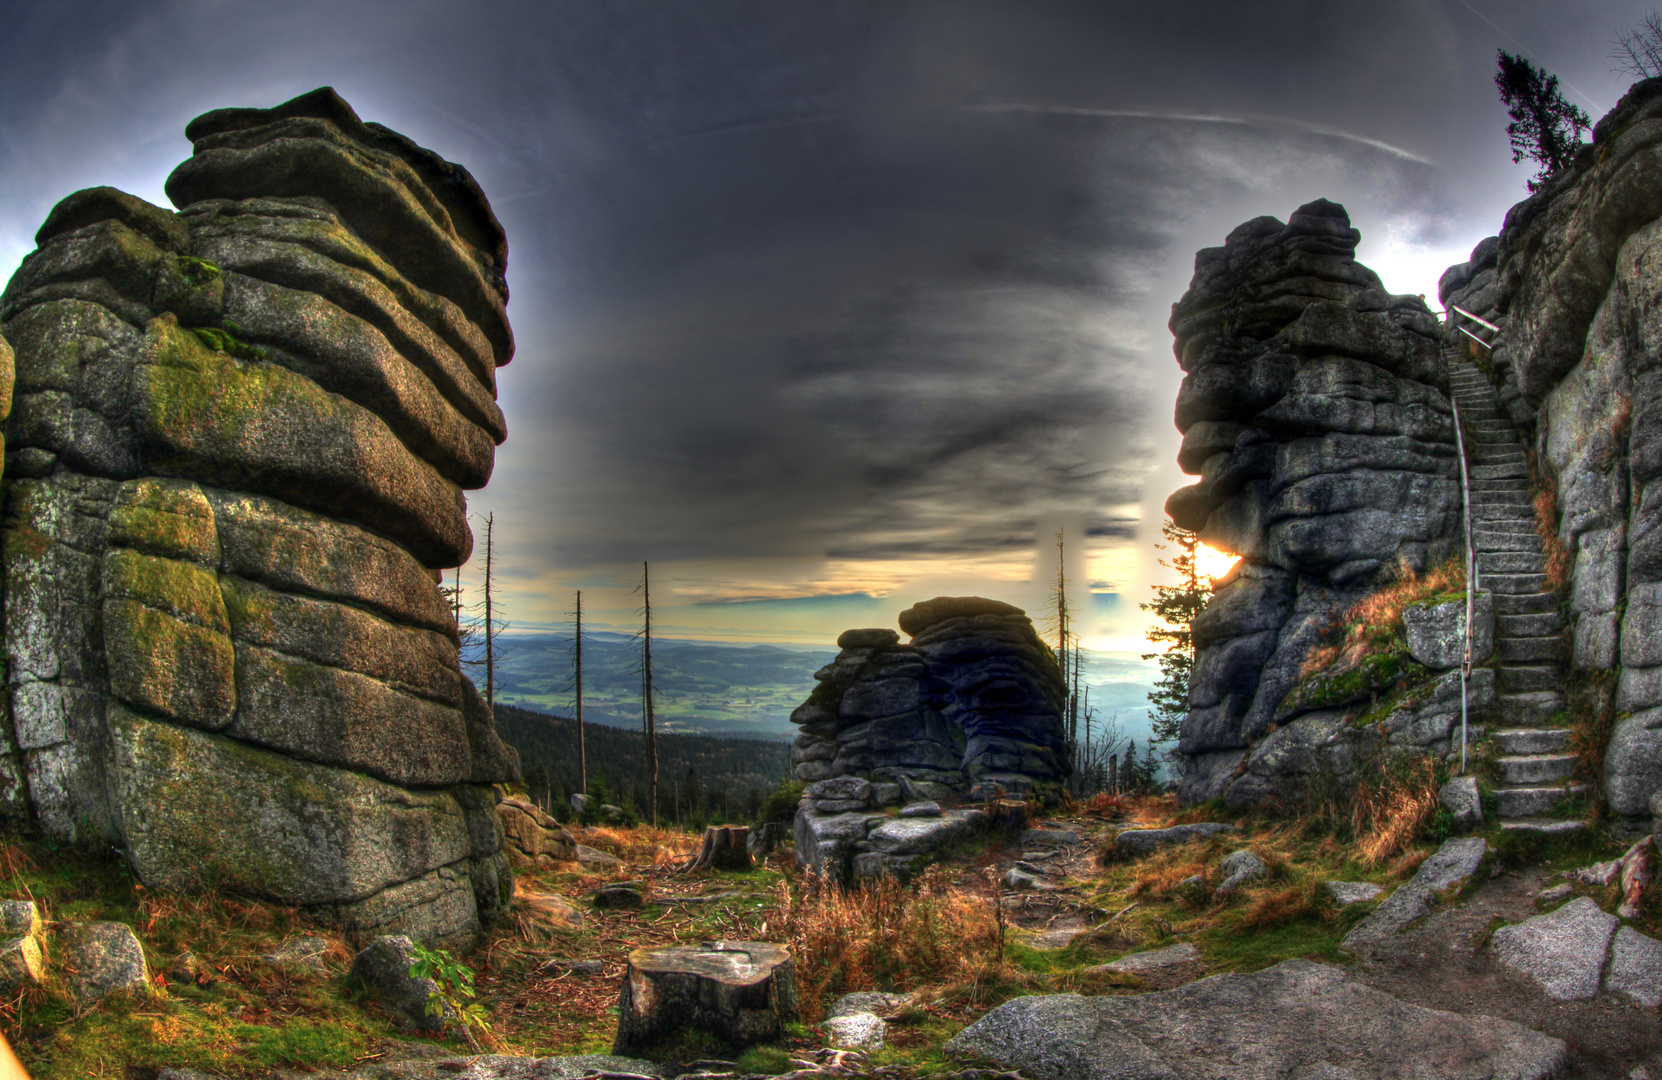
(699, 776)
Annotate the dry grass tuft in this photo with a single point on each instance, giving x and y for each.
(1388, 815)
(1377, 618)
(641, 844)
(1546, 525)
(1278, 908)
(884, 934)
(1162, 880)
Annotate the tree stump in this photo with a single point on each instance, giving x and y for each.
(741, 992)
(724, 848)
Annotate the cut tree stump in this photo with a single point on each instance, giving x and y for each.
(741, 992)
(725, 848)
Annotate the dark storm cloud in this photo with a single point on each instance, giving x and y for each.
(870, 280)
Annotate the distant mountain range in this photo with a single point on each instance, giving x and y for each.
(732, 688)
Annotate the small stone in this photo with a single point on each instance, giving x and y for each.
(21, 963)
(619, 896)
(1056, 938)
(1193, 881)
(20, 918)
(1461, 799)
(929, 808)
(104, 958)
(594, 859)
(1153, 960)
(1635, 967)
(1352, 892)
(860, 1031)
(1239, 868)
(306, 952)
(586, 968)
(1021, 881)
(187, 969)
(385, 966)
(1555, 892)
(1563, 951)
(885, 793)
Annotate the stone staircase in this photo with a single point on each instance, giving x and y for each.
(1535, 763)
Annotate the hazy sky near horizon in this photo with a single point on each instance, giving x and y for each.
(827, 307)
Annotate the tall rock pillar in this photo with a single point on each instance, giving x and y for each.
(235, 470)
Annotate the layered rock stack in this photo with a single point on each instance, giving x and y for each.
(236, 466)
(1315, 411)
(1572, 282)
(974, 697)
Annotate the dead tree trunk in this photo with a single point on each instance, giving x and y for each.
(741, 992)
(726, 847)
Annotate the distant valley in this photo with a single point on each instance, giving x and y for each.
(732, 689)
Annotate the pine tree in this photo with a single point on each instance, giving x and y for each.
(1545, 128)
(1176, 605)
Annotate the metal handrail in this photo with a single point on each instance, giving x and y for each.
(1485, 323)
(1471, 572)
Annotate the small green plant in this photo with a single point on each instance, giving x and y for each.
(229, 341)
(453, 996)
(197, 272)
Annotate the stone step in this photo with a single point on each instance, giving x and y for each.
(1536, 740)
(1502, 483)
(1490, 540)
(1522, 678)
(1504, 470)
(1550, 826)
(1543, 650)
(1524, 603)
(1536, 768)
(1533, 802)
(1502, 512)
(1489, 441)
(1533, 708)
(1495, 453)
(1513, 584)
(1490, 425)
(1511, 562)
(1524, 626)
(1512, 494)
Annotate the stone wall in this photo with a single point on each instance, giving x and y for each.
(1574, 280)
(975, 696)
(1314, 408)
(241, 437)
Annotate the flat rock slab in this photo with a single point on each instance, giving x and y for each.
(593, 857)
(1048, 837)
(1352, 892)
(1153, 960)
(1562, 951)
(1635, 967)
(1297, 1019)
(105, 958)
(1451, 866)
(921, 835)
(1143, 841)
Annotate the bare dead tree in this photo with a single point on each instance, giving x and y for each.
(577, 681)
(1638, 48)
(647, 714)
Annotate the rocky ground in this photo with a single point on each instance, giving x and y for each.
(1172, 904)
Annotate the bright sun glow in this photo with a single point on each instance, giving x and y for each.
(1213, 563)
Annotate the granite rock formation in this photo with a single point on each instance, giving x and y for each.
(1572, 282)
(974, 697)
(235, 468)
(1315, 411)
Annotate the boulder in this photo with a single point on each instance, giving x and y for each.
(1238, 868)
(1437, 631)
(930, 809)
(532, 833)
(626, 896)
(1287, 1020)
(1562, 951)
(593, 859)
(104, 958)
(1462, 800)
(855, 1031)
(874, 1002)
(384, 966)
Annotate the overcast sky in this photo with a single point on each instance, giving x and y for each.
(826, 307)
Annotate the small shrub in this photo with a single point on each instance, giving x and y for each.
(453, 999)
(780, 803)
